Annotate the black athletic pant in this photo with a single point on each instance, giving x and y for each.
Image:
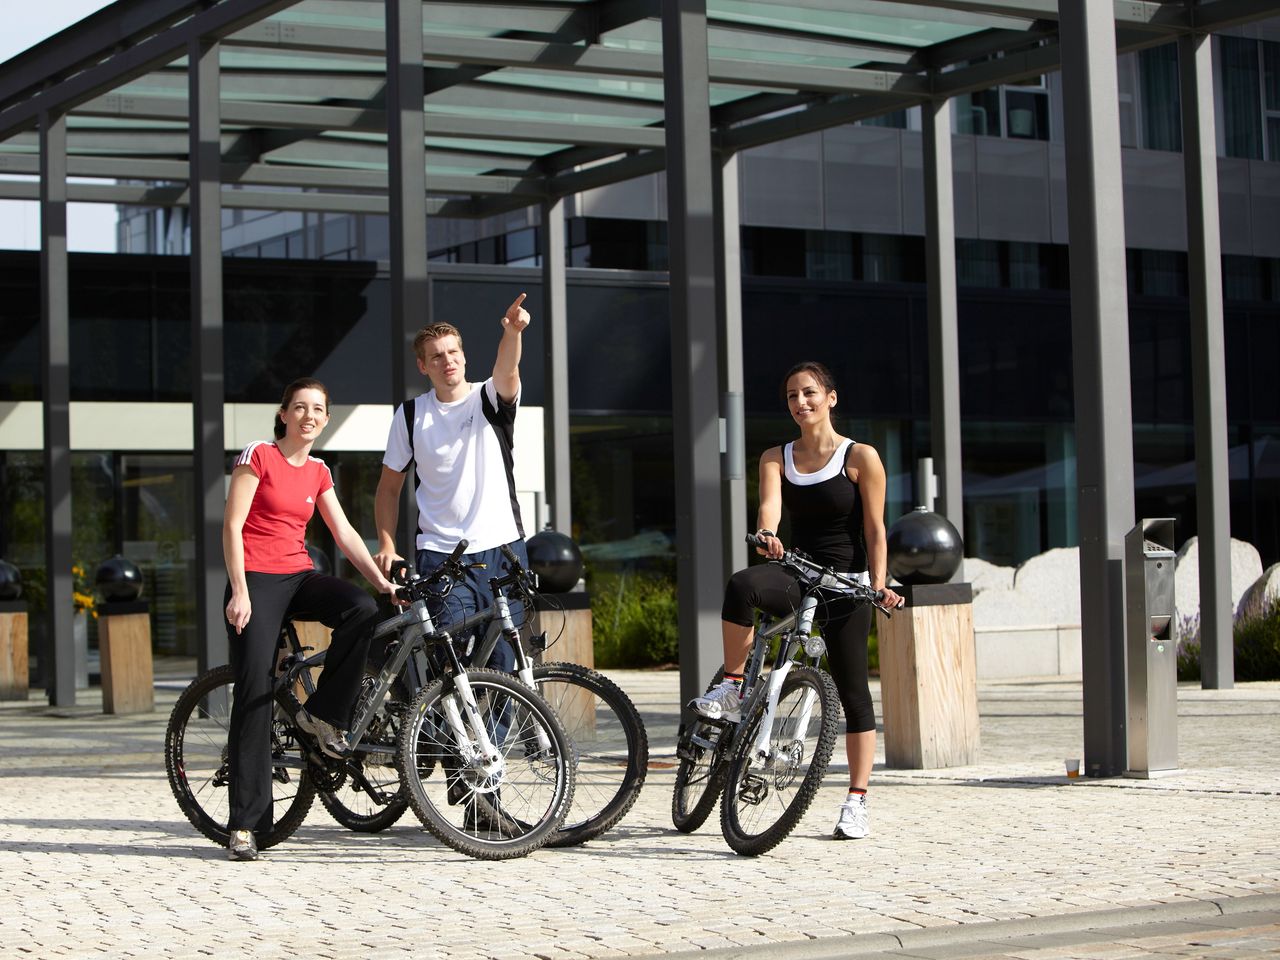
(844, 625)
(340, 605)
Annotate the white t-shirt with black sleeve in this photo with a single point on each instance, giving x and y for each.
(464, 476)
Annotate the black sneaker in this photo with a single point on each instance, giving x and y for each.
(242, 846)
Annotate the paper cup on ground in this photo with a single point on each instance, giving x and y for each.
(1073, 768)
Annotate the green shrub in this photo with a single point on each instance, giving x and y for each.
(634, 619)
(1256, 647)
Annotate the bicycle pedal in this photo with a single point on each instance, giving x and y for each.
(753, 789)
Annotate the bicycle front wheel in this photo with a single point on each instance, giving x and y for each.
(610, 747)
(196, 759)
(700, 746)
(773, 779)
(489, 805)
(369, 795)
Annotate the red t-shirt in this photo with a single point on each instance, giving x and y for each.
(275, 529)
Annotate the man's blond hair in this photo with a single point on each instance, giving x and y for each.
(433, 332)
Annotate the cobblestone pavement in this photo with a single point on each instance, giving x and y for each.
(1004, 859)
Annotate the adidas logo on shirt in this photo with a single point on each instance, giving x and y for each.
(309, 500)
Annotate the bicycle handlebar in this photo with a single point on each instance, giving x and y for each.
(816, 574)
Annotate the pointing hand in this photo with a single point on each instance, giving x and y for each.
(517, 317)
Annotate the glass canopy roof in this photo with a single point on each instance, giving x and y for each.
(526, 90)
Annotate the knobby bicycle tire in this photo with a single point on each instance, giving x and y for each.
(764, 800)
(701, 772)
(610, 744)
(195, 755)
(497, 812)
(378, 761)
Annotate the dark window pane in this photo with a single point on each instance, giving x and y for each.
(1241, 100)
(1028, 114)
(1161, 123)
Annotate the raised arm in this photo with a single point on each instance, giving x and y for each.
(866, 470)
(386, 514)
(244, 484)
(506, 369)
(345, 536)
(770, 511)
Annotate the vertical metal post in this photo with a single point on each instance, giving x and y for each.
(729, 325)
(695, 368)
(944, 351)
(1208, 363)
(57, 660)
(207, 384)
(407, 213)
(1100, 359)
(555, 366)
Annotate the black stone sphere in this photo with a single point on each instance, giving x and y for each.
(556, 559)
(10, 581)
(924, 547)
(118, 580)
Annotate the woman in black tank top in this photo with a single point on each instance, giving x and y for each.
(833, 490)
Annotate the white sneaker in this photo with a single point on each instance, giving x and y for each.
(723, 702)
(853, 823)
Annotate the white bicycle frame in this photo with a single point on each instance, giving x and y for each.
(799, 624)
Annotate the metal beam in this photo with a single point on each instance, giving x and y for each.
(944, 338)
(820, 116)
(406, 177)
(207, 386)
(555, 341)
(1208, 362)
(57, 660)
(293, 116)
(1100, 361)
(695, 366)
(609, 61)
(733, 490)
(134, 61)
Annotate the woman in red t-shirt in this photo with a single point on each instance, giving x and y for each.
(275, 489)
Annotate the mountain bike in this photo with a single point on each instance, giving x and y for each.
(481, 758)
(769, 763)
(610, 744)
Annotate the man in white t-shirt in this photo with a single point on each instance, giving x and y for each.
(458, 439)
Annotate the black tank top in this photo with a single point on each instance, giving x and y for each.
(826, 512)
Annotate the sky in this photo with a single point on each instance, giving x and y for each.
(90, 226)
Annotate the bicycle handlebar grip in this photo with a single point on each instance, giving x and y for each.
(396, 569)
(458, 551)
(511, 556)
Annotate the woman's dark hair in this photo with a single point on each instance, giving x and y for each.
(813, 367)
(302, 383)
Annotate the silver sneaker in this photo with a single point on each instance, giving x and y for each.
(722, 702)
(330, 739)
(853, 823)
(242, 846)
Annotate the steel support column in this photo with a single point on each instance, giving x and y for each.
(1100, 360)
(729, 324)
(555, 341)
(695, 368)
(1208, 363)
(207, 384)
(407, 214)
(944, 352)
(58, 657)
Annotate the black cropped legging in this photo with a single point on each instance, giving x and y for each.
(844, 625)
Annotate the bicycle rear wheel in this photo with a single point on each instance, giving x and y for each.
(497, 807)
(767, 792)
(370, 795)
(196, 760)
(610, 747)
